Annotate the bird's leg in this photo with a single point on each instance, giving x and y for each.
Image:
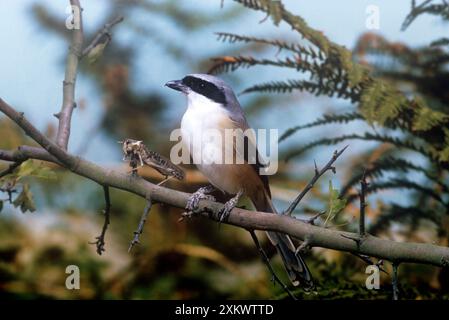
(200, 194)
(228, 206)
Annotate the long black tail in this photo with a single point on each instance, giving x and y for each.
(295, 266)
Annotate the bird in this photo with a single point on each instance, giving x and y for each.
(212, 105)
(136, 151)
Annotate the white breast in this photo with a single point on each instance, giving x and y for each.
(204, 116)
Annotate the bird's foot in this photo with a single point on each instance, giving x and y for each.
(200, 194)
(228, 206)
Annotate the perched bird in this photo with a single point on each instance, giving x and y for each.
(136, 151)
(212, 104)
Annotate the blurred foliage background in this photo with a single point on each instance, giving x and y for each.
(404, 151)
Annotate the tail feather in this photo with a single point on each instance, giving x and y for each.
(295, 266)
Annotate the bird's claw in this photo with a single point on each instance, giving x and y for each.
(224, 213)
(195, 198)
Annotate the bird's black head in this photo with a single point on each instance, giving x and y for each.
(199, 85)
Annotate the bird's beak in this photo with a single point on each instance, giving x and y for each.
(176, 85)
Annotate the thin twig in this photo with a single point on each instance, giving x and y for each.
(395, 281)
(10, 168)
(363, 185)
(9, 189)
(100, 242)
(104, 32)
(68, 91)
(143, 219)
(369, 261)
(268, 264)
(312, 219)
(318, 174)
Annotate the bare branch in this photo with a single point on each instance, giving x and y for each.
(68, 99)
(24, 153)
(102, 36)
(143, 219)
(268, 264)
(251, 220)
(10, 168)
(100, 242)
(318, 174)
(363, 185)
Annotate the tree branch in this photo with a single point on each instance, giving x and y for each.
(68, 99)
(142, 221)
(100, 242)
(318, 174)
(251, 220)
(10, 168)
(105, 32)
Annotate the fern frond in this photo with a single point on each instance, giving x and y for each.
(441, 9)
(325, 119)
(232, 63)
(281, 45)
(394, 183)
(380, 102)
(379, 167)
(397, 213)
(397, 142)
(440, 42)
(254, 4)
(323, 87)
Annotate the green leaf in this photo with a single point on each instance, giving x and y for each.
(335, 204)
(25, 200)
(35, 169)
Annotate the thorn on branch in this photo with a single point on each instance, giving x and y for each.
(268, 264)
(368, 261)
(143, 219)
(100, 242)
(312, 220)
(357, 239)
(318, 174)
